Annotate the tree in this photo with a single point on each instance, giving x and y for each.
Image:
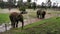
(54, 5)
(49, 3)
(20, 2)
(23, 10)
(2, 4)
(42, 4)
(34, 5)
(29, 1)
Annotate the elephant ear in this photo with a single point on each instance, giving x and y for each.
(44, 12)
(19, 16)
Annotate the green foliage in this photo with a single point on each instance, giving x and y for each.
(28, 0)
(34, 5)
(2, 4)
(22, 8)
(29, 5)
(4, 18)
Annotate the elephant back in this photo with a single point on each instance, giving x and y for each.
(43, 12)
(14, 14)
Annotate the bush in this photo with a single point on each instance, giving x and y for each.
(23, 9)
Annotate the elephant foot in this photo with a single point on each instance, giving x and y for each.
(16, 26)
(40, 18)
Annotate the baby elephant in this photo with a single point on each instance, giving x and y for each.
(15, 18)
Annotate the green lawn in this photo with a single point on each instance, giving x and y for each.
(4, 18)
(46, 26)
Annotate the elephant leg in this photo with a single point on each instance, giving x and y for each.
(37, 16)
(13, 25)
(22, 24)
(43, 16)
(12, 22)
(16, 24)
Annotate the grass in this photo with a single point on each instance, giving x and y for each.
(4, 18)
(46, 26)
(32, 15)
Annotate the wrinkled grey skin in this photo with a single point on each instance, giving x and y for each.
(41, 14)
(15, 18)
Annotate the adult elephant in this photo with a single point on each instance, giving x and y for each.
(15, 18)
(41, 14)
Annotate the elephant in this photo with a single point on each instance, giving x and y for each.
(15, 18)
(41, 14)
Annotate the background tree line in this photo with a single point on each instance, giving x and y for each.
(28, 4)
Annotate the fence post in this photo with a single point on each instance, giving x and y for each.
(6, 27)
